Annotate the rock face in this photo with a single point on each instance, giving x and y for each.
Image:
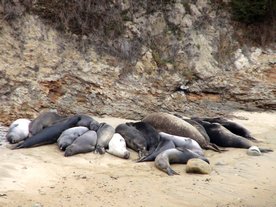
(198, 166)
(189, 45)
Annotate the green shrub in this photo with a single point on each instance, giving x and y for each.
(251, 11)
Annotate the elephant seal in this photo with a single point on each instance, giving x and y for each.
(164, 122)
(105, 133)
(176, 155)
(94, 125)
(183, 142)
(18, 131)
(68, 136)
(149, 133)
(163, 145)
(117, 147)
(234, 127)
(82, 144)
(86, 121)
(50, 134)
(223, 137)
(44, 120)
(134, 138)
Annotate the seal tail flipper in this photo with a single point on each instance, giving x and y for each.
(214, 147)
(263, 150)
(171, 172)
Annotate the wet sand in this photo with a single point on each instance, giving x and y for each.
(42, 176)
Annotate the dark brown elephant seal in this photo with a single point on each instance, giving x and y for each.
(164, 122)
(223, 137)
(44, 120)
(234, 127)
(134, 138)
(175, 155)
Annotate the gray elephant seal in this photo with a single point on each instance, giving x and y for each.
(176, 155)
(69, 135)
(164, 122)
(82, 144)
(50, 134)
(223, 137)
(105, 133)
(117, 147)
(134, 139)
(183, 142)
(163, 145)
(44, 120)
(18, 131)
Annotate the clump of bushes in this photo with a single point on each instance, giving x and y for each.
(252, 11)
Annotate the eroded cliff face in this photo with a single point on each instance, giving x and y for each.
(194, 66)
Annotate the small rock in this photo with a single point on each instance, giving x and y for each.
(254, 151)
(196, 165)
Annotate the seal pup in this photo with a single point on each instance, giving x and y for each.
(164, 122)
(149, 133)
(163, 145)
(223, 137)
(105, 133)
(68, 136)
(234, 127)
(50, 134)
(176, 155)
(44, 120)
(183, 142)
(82, 144)
(117, 147)
(134, 139)
(18, 130)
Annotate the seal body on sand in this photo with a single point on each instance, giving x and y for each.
(44, 120)
(117, 147)
(105, 133)
(82, 144)
(134, 138)
(234, 127)
(18, 131)
(184, 142)
(223, 137)
(163, 145)
(69, 135)
(150, 134)
(164, 122)
(50, 134)
(176, 155)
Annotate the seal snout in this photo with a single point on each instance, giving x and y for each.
(126, 155)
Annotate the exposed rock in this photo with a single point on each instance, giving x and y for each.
(198, 166)
(179, 44)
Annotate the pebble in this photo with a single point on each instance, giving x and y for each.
(254, 151)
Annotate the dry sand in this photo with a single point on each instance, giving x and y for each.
(42, 176)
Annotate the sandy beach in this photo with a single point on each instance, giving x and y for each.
(42, 176)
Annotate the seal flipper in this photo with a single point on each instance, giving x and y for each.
(264, 150)
(214, 147)
(171, 172)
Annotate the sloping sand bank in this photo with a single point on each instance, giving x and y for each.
(42, 176)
